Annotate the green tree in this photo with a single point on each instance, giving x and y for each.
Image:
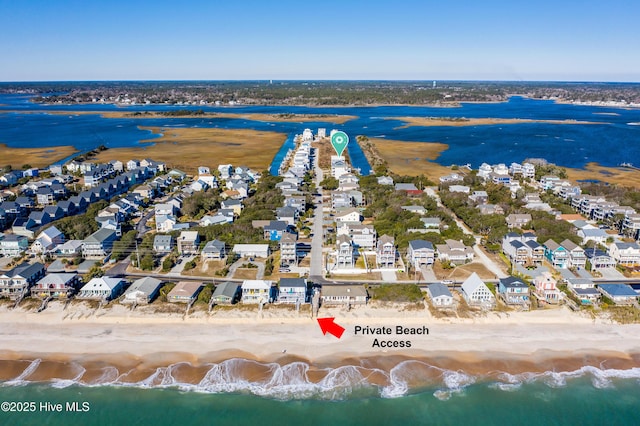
(147, 262)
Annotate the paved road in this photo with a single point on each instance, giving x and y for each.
(315, 270)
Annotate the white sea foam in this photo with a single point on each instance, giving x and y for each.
(291, 381)
(20, 380)
(65, 383)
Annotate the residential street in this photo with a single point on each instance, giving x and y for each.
(315, 272)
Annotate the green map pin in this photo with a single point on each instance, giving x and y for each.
(339, 141)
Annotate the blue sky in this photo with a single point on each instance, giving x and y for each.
(245, 39)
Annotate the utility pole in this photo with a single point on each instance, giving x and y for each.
(137, 255)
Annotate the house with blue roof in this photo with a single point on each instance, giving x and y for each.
(621, 294)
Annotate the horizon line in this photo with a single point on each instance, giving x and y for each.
(318, 80)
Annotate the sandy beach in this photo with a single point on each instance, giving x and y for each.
(82, 344)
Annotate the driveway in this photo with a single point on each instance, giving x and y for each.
(179, 267)
(611, 274)
(428, 275)
(238, 263)
(388, 275)
(141, 226)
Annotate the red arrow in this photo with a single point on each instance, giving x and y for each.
(327, 325)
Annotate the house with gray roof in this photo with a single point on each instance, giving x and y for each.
(142, 291)
(214, 250)
(163, 243)
(57, 285)
(17, 282)
(99, 244)
(293, 290)
(226, 293)
(346, 295)
(421, 252)
(475, 291)
(102, 288)
(440, 295)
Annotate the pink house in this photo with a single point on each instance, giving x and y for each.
(546, 288)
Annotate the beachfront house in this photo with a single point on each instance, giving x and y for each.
(226, 293)
(292, 290)
(57, 285)
(513, 291)
(103, 288)
(142, 291)
(621, 294)
(440, 295)
(17, 282)
(184, 292)
(256, 291)
(546, 289)
(584, 290)
(476, 292)
(344, 295)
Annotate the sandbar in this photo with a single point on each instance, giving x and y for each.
(458, 122)
(277, 118)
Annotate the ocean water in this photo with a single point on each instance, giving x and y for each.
(614, 140)
(578, 403)
(239, 392)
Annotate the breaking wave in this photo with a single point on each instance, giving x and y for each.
(300, 380)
